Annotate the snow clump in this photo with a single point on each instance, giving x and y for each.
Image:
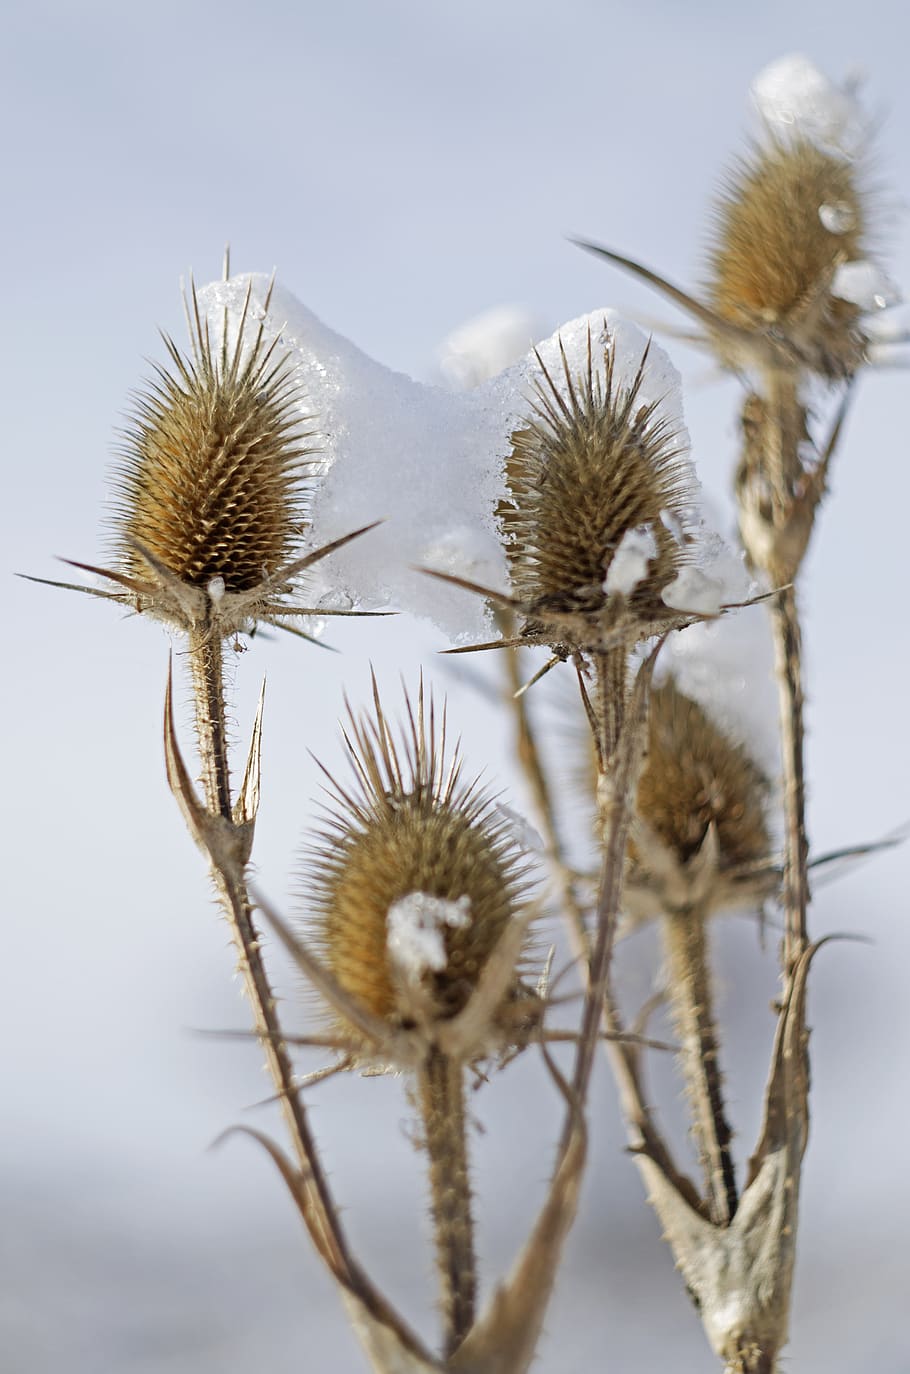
(416, 931)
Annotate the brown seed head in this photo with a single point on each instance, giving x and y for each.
(210, 484)
(586, 469)
(790, 214)
(695, 777)
(410, 831)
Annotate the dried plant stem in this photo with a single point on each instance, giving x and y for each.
(689, 984)
(788, 660)
(783, 437)
(784, 434)
(623, 723)
(442, 1109)
(529, 758)
(206, 664)
(610, 694)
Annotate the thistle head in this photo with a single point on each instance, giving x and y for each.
(791, 227)
(415, 879)
(599, 491)
(210, 497)
(701, 832)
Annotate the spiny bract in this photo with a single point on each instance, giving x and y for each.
(409, 827)
(211, 481)
(586, 469)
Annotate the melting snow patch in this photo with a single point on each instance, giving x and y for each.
(416, 931)
(796, 100)
(631, 561)
(694, 590)
(865, 285)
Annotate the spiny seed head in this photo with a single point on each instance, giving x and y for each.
(789, 216)
(210, 492)
(694, 777)
(408, 841)
(587, 469)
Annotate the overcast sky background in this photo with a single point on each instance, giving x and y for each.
(404, 165)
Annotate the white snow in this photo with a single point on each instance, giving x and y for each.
(865, 285)
(694, 590)
(521, 832)
(795, 99)
(631, 561)
(421, 459)
(486, 344)
(416, 926)
(426, 461)
(216, 589)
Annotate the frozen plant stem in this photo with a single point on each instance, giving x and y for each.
(442, 1108)
(205, 650)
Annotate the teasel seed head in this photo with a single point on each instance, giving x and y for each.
(791, 214)
(701, 835)
(210, 488)
(415, 879)
(599, 492)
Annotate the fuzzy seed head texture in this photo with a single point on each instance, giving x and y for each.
(589, 466)
(695, 776)
(212, 467)
(409, 826)
(791, 213)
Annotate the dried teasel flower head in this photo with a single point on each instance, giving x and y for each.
(789, 262)
(599, 496)
(210, 495)
(701, 835)
(416, 887)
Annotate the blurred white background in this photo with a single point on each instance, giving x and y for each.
(405, 166)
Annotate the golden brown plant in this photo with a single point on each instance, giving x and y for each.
(791, 230)
(701, 811)
(791, 213)
(416, 877)
(593, 467)
(210, 502)
(209, 516)
(415, 896)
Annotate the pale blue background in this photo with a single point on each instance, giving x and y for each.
(404, 165)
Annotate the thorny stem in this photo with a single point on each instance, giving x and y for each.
(205, 653)
(782, 439)
(206, 666)
(788, 659)
(617, 792)
(610, 681)
(529, 758)
(442, 1109)
(689, 982)
(610, 678)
